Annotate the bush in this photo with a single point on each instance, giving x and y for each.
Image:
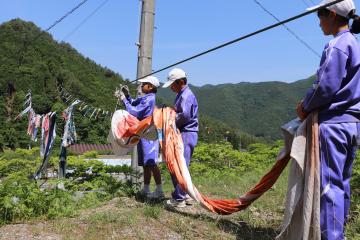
(22, 199)
(91, 154)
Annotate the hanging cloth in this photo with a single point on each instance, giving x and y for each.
(36, 125)
(44, 133)
(302, 208)
(48, 142)
(26, 110)
(69, 136)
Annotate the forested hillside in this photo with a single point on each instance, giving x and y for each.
(32, 60)
(37, 62)
(256, 108)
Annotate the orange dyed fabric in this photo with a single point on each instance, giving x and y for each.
(172, 151)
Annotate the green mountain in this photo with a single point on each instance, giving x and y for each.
(31, 59)
(255, 108)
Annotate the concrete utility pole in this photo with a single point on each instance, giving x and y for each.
(145, 44)
(144, 66)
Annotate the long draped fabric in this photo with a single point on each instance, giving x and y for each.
(128, 128)
(302, 208)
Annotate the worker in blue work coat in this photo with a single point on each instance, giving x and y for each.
(335, 94)
(148, 150)
(186, 108)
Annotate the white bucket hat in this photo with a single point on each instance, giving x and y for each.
(150, 79)
(174, 75)
(342, 8)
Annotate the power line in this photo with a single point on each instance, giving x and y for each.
(58, 21)
(312, 2)
(288, 29)
(66, 15)
(312, 10)
(86, 19)
(27, 44)
(305, 3)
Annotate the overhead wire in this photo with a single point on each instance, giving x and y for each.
(312, 10)
(28, 43)
(308, 5)
(288, 29)
(61, 19)
(85, 20)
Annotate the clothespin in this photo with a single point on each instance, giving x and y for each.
(92, 113)
(97, 114)
(27, 101)
(87, 111)
(28, 94)
(81, 104)
(85, 107)
(68, 99)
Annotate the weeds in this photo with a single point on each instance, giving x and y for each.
(22, 199)
(152, 211)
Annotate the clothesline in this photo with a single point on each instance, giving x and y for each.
(47, 122)
(87, 110)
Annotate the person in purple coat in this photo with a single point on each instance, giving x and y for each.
(336, 96)
(187, 122)
(148, 150)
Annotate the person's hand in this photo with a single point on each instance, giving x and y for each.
(125, 90)
(300, 111)
(119, 94)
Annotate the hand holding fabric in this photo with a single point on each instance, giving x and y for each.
(125, 90)
(301, 113)
(119, 94)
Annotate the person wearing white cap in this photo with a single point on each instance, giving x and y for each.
(336, 96)
(187, 122)
(148, 150)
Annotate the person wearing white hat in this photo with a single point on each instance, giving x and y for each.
(148, 150)
(336, 96)
(187, 122)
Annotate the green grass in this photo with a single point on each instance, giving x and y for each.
(128, 217)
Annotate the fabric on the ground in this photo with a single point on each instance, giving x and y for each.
(302, 208)
(127, 130)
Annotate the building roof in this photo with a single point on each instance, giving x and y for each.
(85, 147)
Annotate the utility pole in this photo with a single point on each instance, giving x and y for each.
(144, 66)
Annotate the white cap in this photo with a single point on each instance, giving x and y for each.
(150, 79)
(174, 75)
(342, 8)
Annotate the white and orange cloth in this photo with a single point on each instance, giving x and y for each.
(126, 131)
(302, 208)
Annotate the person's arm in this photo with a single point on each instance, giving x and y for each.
(183, 112)
(132, 101)
(328, 82)
(138, 107)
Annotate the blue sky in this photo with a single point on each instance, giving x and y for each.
(184, 28)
